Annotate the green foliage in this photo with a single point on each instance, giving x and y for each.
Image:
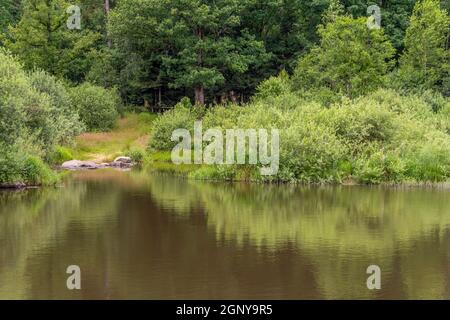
(163, 126)
(430, 163)
(36, 172)
(274, 86)
(10, 166)
(136, 155)
(394, 16)
(42, 40)
(220, 173)
(336, 123)
(31, 108)
(426, 61)
(184, 44)
(9, 12)
(383, 137)
(65, 116)
(60, 155)
(35, 115)
(377, 166)
(351, 59)
(17, 167)
(96, 106)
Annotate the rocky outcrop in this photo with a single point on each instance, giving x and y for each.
(122, 162)
(119, 162)
(77, 164)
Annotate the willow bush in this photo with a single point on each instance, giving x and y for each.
(97, 106)
(383, 137)
(35, 115)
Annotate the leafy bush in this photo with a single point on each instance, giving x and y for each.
(62, 112)
(164, 125)
(376, 166)
(60, 155)
(431, 162)
(10, 166)
(96, 106)
(35, 115)
(374, 139)
(274, 86)
(36, 172)
(16, 95)
(136, 155)
(17, 167)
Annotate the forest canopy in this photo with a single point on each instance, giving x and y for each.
(156, 52)
(363, 97)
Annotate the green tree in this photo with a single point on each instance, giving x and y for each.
(190, 45)
(351, 59)
(209, 44)
(426, 61)
(394, 16)
(9, 13)
(42, 40)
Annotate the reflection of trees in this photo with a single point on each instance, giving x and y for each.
(129, 247)
(342, 229)
(33, 220)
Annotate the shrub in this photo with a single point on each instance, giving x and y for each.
(136, 155)
(36, 172)
(35, 115)
(444, 117)
(10, 166)
(374, 139)
(60, 155)
(430, 163)
(62, 111)
(309, 152)
(18, 167)
(377, 166)
(96, 106)
(16, 95)
(274, 86)
(164, 125)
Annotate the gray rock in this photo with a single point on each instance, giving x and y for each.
(77, 164)
(123, 159)
(122, 162)
(119, 162)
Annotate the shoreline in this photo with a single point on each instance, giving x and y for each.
(185, 175)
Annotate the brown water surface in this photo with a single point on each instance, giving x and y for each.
(149, 236)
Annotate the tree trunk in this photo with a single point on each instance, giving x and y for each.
(159, 97)
(199, 90)
(107, 8)
(199, 96)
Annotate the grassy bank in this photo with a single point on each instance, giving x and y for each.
(129, 135)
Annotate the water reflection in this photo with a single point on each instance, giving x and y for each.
(141, 235)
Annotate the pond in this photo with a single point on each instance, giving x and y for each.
(143, 235)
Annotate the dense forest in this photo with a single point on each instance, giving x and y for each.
(354, 102)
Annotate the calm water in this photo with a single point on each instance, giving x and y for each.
(149, 236)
